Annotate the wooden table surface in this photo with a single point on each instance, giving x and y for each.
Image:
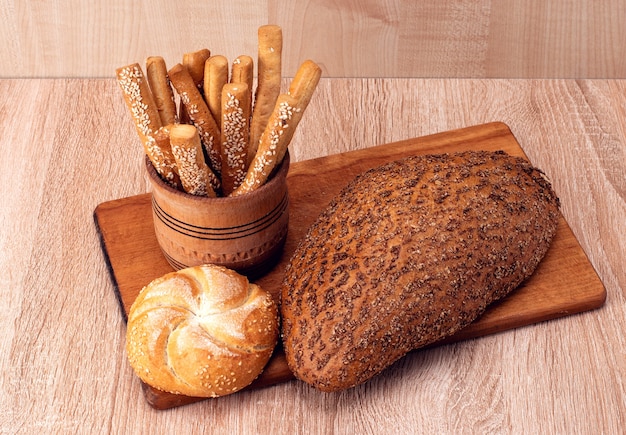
(67, 145)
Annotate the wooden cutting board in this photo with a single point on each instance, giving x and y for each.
(563, 284)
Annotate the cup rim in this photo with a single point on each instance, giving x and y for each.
(279, 173)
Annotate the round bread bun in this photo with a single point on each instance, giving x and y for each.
(204, 331)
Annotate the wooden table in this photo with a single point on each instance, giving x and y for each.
(68, 145)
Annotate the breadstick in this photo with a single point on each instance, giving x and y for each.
(243, 72)
(215, 77)
(162, 139)
(199, 114)
(159, 82)
(268, 78)
(196, 177)
(195, 62)
(142, 107)
(235, 134)
(304, 82)
(271, 144)
(301, 88)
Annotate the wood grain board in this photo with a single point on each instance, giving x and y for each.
(564, 283)
(387, 38)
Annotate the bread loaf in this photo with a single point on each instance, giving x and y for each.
(407, 254)
(204, 331)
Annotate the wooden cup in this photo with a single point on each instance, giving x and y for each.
(245, 233)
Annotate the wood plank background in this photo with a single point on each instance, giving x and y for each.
(369, 38)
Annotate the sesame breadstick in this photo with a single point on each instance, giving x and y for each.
(215, 77)
(243, 72)
(196, 177)
(199, 114)
(145, 114)
(301, 88)
(271, 144)
(194, 62)
(162, 139)
(161, 88)
(235, 134)
(270, 47)
(304, 82)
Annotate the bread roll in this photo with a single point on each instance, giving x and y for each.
(203, 331)
(407, 254)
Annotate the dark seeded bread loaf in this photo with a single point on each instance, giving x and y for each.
(407, 254)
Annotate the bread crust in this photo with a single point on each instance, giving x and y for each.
(204, 331)
(407, 254)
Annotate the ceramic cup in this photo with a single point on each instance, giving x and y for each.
(245, 233)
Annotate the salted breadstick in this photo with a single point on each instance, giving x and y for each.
(196, 177)
(271, 144)
(215, 77)
(235, 134)
(301, 88)
(159, 82)
(270, 47)
(199, 114)
(145, 114)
